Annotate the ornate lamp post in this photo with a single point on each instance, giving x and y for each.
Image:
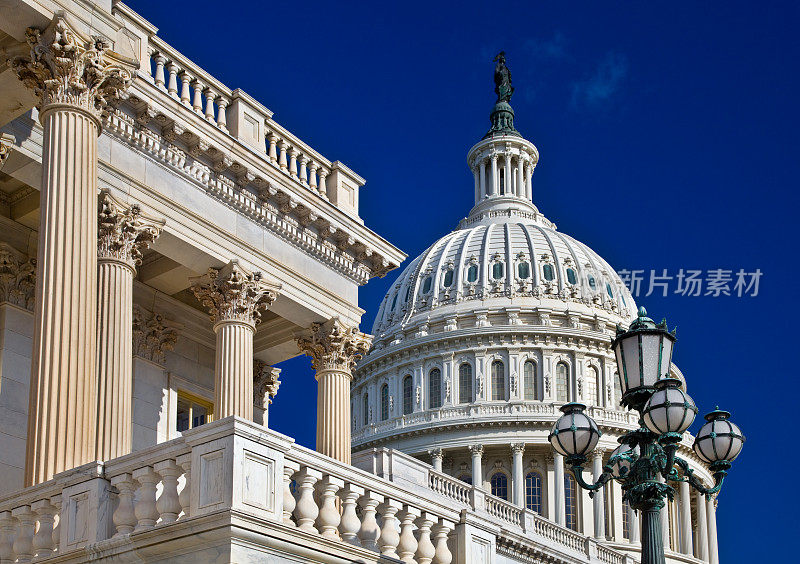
(645, 462)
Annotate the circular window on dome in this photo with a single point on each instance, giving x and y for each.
(448, 278)
(472, 273)
(426, 285)
(549, 273)
(497, 270)
(524, 270)
(592, 282)
(571, 278)
(609, 290)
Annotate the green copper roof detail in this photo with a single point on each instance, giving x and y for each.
(502, 116)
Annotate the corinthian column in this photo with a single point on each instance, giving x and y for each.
(334, 350)
(235, 299)
(123, 233)
(265, 387)
(74, 77)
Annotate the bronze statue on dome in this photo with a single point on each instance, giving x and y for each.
(502, 78)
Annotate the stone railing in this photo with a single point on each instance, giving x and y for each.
(519, 526)
(546, 412)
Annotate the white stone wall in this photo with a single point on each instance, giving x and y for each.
(16, 334)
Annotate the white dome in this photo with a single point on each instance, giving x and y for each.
(510, 257)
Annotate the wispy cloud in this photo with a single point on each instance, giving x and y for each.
(552, 48)
(597, 89)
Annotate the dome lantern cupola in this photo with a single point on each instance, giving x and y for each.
(503, 161)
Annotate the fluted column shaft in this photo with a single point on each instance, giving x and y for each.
(62, 406)
(114, 358)
(686, 518)
(713, 548)
(477, 472)
(599, 497)
(233, 369)
(558, 476)
(517, 478)
(333, 414)
(702, 528)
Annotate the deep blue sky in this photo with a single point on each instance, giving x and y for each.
(668, 139)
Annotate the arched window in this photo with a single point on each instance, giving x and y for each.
(365, 415)
(498, 380)
(466, 478)
(592, 386)
(448, 278)
(408, 293)
(609, 290)
(472, 273)
(408, 393)
(384, 402)
(499, 483)
(465, 383)
(435, 388)
(529, 375)
(592, 282)
(617, 389)
(571, 277)
(548, 272)
(426, 284)
(394, 301)
(571, 502)
(533, 492)
(524, 270)
(502, 181)
(497, 270)
(562, 382)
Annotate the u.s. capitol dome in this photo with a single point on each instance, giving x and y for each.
(485, 335)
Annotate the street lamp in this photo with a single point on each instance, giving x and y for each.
(645, 462)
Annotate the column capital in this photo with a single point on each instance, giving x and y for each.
(124, 232)
(265, 383)
(233, 293)
(6, 143)
(476, 450)
(435, 453)
(597, 453)
(17, 277)
(517, 448)
(152, 335)
(63, 66)
(333, 346)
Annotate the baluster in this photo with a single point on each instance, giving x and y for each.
(197, 101)
(172, 85)
(222, 116)
(304, 170)
(425, 548)
(289, 502)
(389, 538)
(43, 539)
(442, 554)
(23, 541)
(293, 162)
(306, 510)
(145, 505)
(210, 104)
(8, 525)
(273, 153)
(159, 76)
(323, 188)
(369, 531)
(168, 505)
(124, 517)
(185, 497)
(328, 519)
(186, 93)
(282, 158)
(56, 501)
(350, 523)
(312, 175)
(407, 547)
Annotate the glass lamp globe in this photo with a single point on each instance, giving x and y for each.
(575, 433)
(619, 465)
(669, 409)
(644, 353)
(718, 440)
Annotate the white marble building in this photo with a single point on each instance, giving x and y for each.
(164, 241)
